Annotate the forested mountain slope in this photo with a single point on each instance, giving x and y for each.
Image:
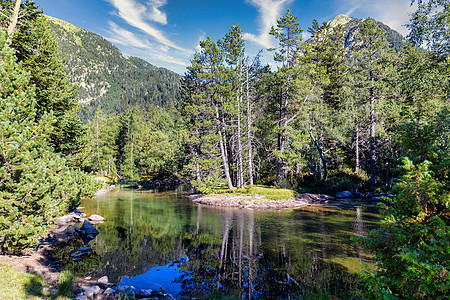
(106, 77)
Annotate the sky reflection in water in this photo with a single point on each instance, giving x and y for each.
(246, 254)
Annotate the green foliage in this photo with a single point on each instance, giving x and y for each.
(65, 283)
(37, 49)
(36, 185)
(412, 245)
(429, 25)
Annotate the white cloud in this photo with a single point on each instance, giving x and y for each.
(394, 13)
(120, 36)
(134, 45)
(270, 11)
(155, 14)
(138, 15)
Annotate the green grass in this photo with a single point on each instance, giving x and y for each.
(18, 285)
(271, 193)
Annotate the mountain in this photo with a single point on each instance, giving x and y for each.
(106, 77)
(350, 26)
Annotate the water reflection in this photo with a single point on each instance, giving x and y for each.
(240, 253)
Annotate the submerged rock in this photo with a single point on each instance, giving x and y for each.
(144, 293)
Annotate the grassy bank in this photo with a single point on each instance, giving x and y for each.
(20, 285)
(271, 193)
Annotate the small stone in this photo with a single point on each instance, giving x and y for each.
(91, 290)
(129, 290)
(81, 297)
(88, 278)
(103, 280)
(96, 218)
(76, 212)
(144, 293)
(109, 291)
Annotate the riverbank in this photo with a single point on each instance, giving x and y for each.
(37, 274)
(260, 202)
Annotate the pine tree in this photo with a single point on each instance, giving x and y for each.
(371, 53)
(233, 47)
(289, 36)
(37, 49)
(36, 186)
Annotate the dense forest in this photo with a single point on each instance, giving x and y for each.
(345, 110)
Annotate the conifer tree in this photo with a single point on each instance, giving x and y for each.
(233, 47)
(36, 186)
(36, 47)
(289, 38)
(370, 53)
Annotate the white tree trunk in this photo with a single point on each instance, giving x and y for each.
(13, 24)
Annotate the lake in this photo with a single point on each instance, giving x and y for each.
(163, 240)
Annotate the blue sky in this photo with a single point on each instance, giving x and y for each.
(166, 33)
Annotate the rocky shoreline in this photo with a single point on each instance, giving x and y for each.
(259, 202)
(88, 288)
(42, 261)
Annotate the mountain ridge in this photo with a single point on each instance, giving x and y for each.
(351, 25)
(107, 78)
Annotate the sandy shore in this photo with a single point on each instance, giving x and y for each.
(258, 202)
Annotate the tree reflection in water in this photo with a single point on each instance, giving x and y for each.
(238, 253)
(242, 266)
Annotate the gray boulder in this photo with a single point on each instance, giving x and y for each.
(81, 297)
(344, 194)
(129, 290)
(90, 291)
(96, 218)
(103, 280)
(88, 228)
(109, 291)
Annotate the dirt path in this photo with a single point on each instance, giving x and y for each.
(39, 261)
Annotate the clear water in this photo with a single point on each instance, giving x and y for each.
(160, 240)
